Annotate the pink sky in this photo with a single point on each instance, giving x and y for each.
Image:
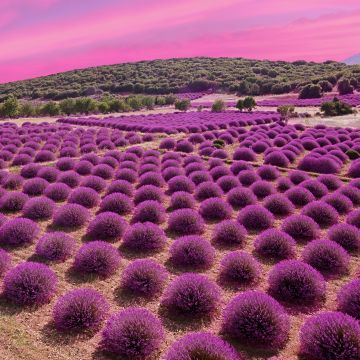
(40, 37)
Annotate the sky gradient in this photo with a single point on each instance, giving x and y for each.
(41, 37)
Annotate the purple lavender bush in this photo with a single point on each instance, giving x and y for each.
(71, 216)
(191, 296)
(192, 252)
(98, 258)
(239, 269)
(80, 310)
(296, 283)
(275, 245)
(201, 345)
(55, 246)
(186, 222)
(133, 333)
(255, 319)
(30, 284)
(330, 335)
(144, 277)
(229, 233)
(327, 256)
(348, 299)
(18, 232)
(255, 218)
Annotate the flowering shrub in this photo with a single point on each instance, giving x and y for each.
(182, 200)
(5, 261)
(192, 252)
(97, 257)
(29, 284)
(133, 333)
(148, 192)
(255, 218)
(55, 246)
(107, 226)
(275, 245)
(348, 236)
(348, 299)
(330, 335)
(207, 190)
(71, 216)
(239, 269)
(18, 232)
(82, 309)
(296, 283)
(144, 237)
(13, 201)
(144, 277)
(321, 212)
(191, 296)
(326, 256)
(185, 222)
(301, 228)
(149, 211)
(240, 197)
(339, 202)
(229, 233)
(84, 196)
(118, 203)
(255, 319)
(201, 345)
(215, 209)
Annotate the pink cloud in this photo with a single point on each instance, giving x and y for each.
(119, 31)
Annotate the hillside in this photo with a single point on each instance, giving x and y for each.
(175, 75)
(353, 60)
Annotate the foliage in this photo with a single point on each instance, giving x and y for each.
(218, 106)
(336, 108)
(182, 105)
(310, 91)
(246, 76)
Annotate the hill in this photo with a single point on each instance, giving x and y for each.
(176, 75)
(353, 60)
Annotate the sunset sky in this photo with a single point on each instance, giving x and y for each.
(40, 37)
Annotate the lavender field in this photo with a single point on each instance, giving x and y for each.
(180, 236)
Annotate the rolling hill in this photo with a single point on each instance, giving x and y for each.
(176, 75)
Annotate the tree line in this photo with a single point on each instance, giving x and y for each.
(14, 108)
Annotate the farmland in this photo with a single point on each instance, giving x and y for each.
(130, 236)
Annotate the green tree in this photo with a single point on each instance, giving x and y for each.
(135, 102)
(345, 87)
(27, 109)
(286, 111)
(10, 108)
(148, 102)
(325, 85)
(160, 101)
(170, 99)
(310, 91)
(249, 103)
(218, 106)
(182, 105)
(85, 105)
(118, 105)
(244, 88)
(67, 106)
(103, 107)
(51, 108)
(240, 105)
(336, 108)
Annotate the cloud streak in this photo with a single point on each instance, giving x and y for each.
(40, 37)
